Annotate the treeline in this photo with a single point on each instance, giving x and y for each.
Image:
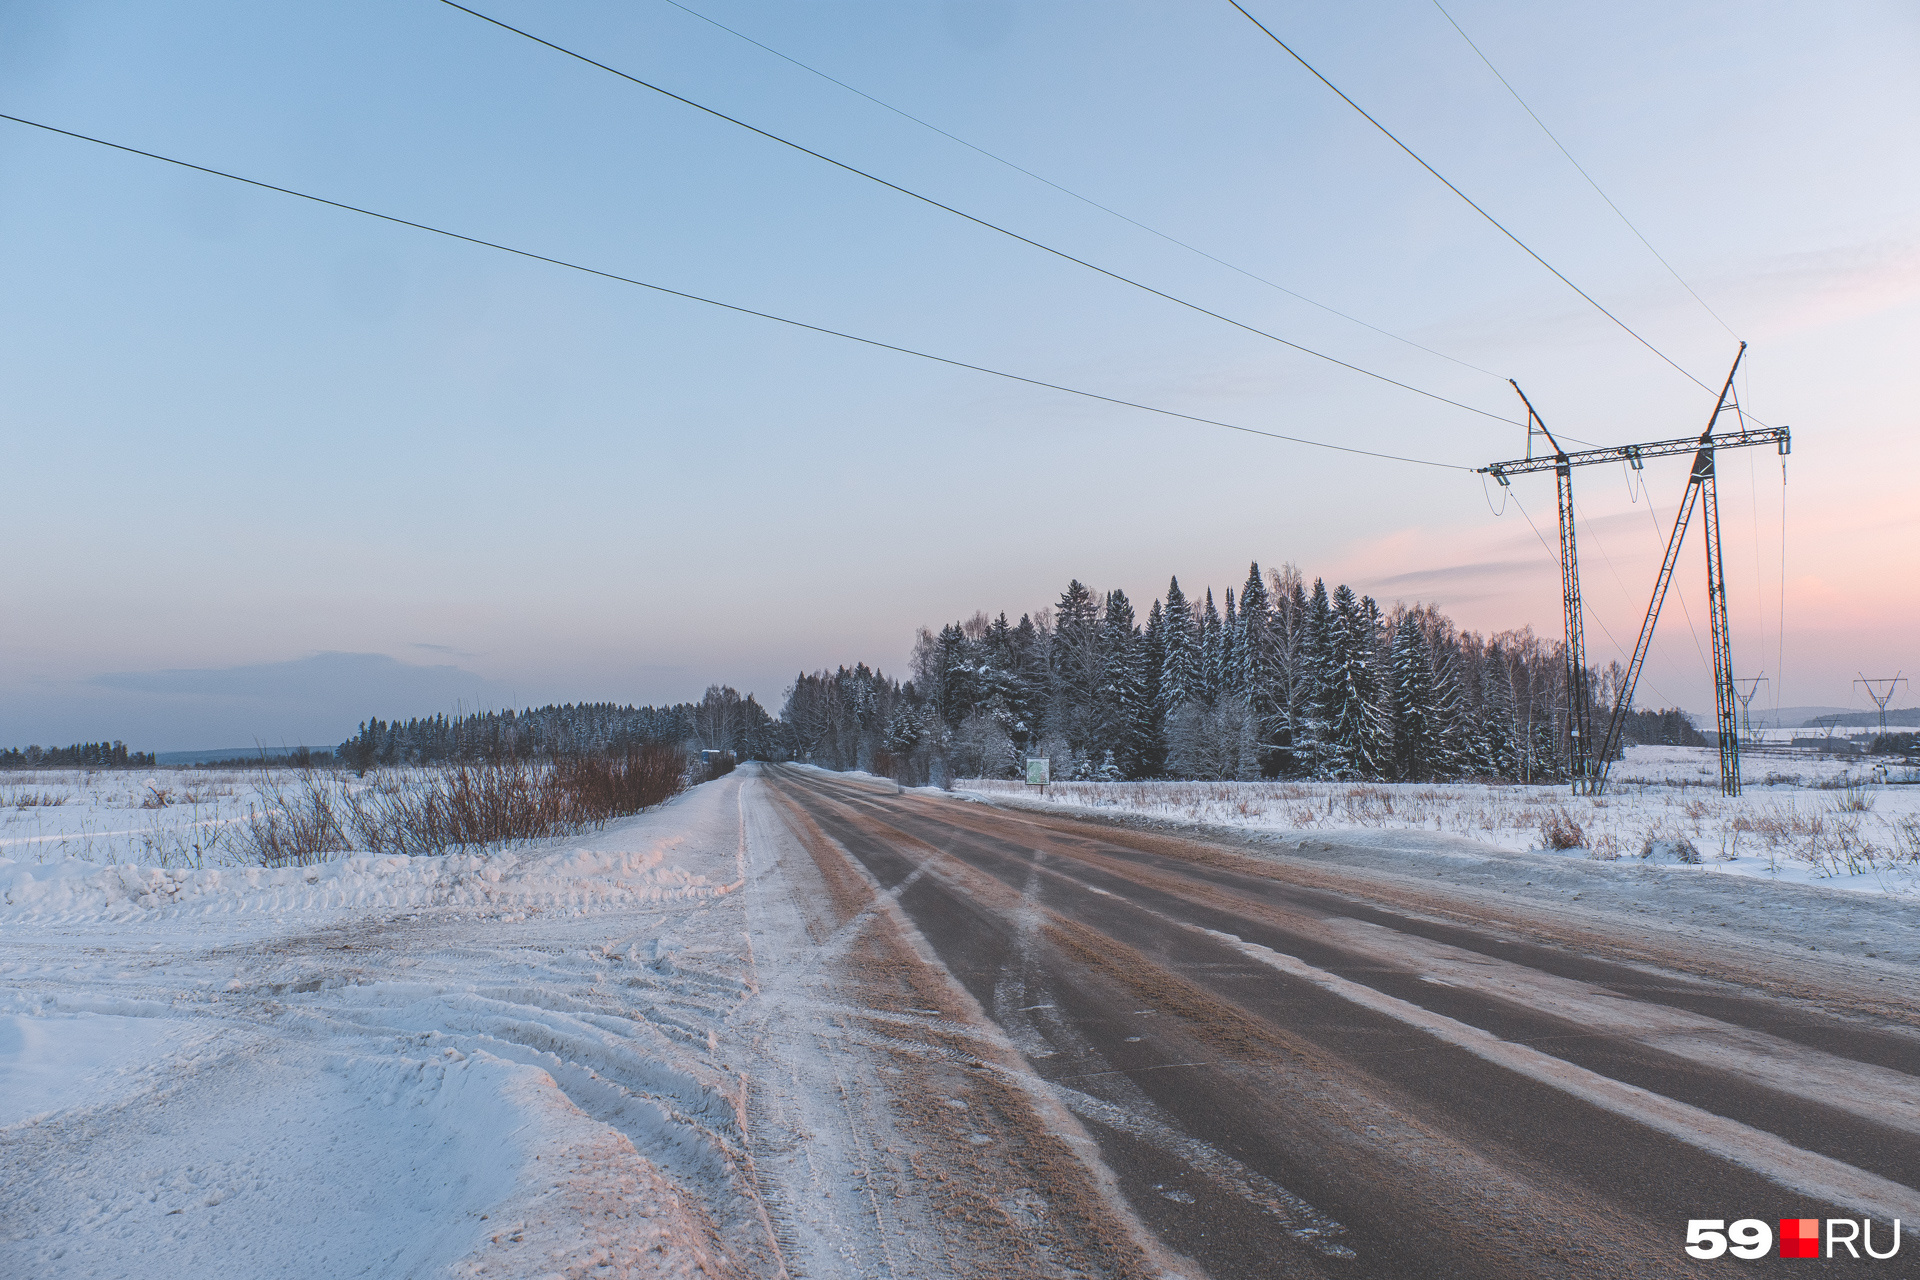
(1288, 680)
(81, 755)
(722, 720)
(1669, 728)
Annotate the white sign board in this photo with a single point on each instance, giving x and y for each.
(1038, 772)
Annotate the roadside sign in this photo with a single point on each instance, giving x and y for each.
(1038, 772)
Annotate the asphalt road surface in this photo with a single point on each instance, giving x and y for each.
(1290, 1069)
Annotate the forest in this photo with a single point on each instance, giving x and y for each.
(1286, 680)
(1277, 679)
(81, 755)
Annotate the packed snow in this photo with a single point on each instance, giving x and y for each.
(500, 1063)
(1808, 820)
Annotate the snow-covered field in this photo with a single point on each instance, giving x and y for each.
(1798, 819)
(158, 817)
(494, 1064)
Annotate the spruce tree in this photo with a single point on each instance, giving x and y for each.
(1227, 677)
(1210, 639)
(1076, 669)
(1180, 679)
(1355, 734)
(1119, 689)
(1027, 690)
(1418, 746)
(1293, 689)
(1317, 699)
(1153, 662)
(1256, 663)
(1494, 746)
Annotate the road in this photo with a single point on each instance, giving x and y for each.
(1277, 1068)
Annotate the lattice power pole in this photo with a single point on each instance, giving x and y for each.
(1745, 695)
(1591, 766)
(1579, 697)
(1881, 699)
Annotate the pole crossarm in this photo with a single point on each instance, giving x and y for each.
(1633, 454)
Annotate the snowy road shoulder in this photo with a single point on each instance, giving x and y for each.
(501, 1064)
(1876, 929)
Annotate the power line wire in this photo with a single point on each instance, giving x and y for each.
(1577, 165)
(981, 222)
(728, 306)
(1625, 328)
(1068, 191)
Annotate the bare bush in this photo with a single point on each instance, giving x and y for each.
(311, 812)
(33, 799)
(1854, 800)
(300, 823)
(1671, 843)
(1906, 837)
(1559, 830)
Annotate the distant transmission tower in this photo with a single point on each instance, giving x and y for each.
(1745, 695)
(1590, 767)
(1880, 699)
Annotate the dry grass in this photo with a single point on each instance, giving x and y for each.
(311, 813)
(26, 799)
(1560, 831)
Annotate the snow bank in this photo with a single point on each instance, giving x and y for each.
(1821, 825)
(578, 879)
(496, 1065)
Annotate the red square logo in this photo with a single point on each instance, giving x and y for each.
(1799, 1237)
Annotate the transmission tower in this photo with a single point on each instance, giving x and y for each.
(1590, 766)
(1881, 699)
(1745, 695)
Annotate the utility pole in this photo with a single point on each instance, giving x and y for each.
(1579, 698)
(1700, 483)
(1881, 699)
(1753, 684)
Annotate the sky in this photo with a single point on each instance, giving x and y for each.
(273, 467)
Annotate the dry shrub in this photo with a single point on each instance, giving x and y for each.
(312, 813)
(300, 823)
(1854, 800)
(157, 797)
(1670, 842)
(1906, 837)
(1605, 848)
(34, 800)
(1559, 830)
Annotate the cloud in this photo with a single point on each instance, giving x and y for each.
(1451, 574)
(1804, 291)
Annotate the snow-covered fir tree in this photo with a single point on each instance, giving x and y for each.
(1419, 745)
(1180, 677)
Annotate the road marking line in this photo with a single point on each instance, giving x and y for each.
(1769, 1156)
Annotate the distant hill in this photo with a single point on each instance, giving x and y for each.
(1870, 719)
(1785, 717)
